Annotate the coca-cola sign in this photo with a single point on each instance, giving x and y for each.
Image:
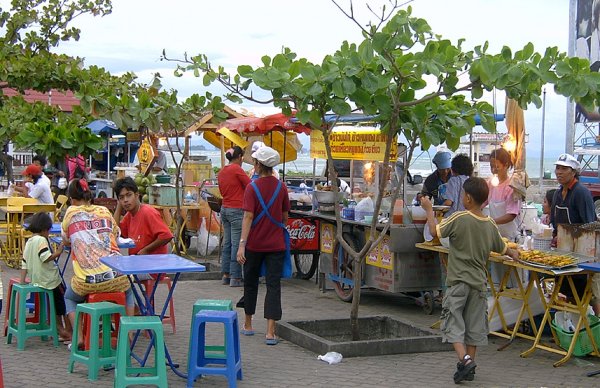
(304, 234)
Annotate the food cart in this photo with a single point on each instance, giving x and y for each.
(394, 265)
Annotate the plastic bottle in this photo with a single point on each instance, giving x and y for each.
(351, 207)
(398, 215)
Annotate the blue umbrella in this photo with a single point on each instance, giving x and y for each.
(104, 127)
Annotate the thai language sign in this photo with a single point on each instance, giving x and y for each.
(355, 144)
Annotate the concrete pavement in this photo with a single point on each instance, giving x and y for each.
(287, 365)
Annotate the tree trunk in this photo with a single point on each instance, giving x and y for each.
(6, 160)
(354, 326)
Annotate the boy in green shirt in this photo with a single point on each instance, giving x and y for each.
(38, 263)
(464, 307)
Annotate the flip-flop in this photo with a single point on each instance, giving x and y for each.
(247, 332)
(272, 341)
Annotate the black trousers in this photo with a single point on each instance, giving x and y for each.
(274, 268)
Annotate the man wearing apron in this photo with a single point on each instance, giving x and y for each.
(504, 206)
(573, 204)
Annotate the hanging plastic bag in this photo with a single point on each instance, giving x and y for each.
(364, 208)
(206, 241)
(62, 183)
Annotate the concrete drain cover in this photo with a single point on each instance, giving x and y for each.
(379, 335)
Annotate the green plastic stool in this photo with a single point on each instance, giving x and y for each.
(18, 325)
(212, 351)
(125, 373)
(99, 355)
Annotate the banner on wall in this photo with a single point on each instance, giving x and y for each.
(352, 143)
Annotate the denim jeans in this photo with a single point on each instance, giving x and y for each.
(231, 219)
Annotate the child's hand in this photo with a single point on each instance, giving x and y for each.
(426, 203)
(512, 253)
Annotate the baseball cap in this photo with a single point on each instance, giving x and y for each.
(266, 156)
(33, 170)
(256, 145)
(568, 161)
(442, 159)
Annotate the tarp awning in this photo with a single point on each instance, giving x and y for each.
(262, 125)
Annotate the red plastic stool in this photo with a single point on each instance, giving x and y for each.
(149, 285)
(114, 297)
(1, 375)
(36, 313)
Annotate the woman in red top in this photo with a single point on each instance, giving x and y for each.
(232, 183)
(264, 240)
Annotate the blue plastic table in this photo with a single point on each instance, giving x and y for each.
(152, 264)
(55, 229)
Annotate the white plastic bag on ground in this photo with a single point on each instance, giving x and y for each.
(331, 357)
(206, 241)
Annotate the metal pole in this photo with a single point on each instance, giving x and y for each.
(542, 145)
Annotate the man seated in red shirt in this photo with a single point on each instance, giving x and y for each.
(142, 223)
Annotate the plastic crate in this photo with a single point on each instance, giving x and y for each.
(542, 243)
(583, 346)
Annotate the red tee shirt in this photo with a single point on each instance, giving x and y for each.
(145, 227)
(232, 183)
(265, 236)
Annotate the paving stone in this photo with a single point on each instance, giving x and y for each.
(287, 365)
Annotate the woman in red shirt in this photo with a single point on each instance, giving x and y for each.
(232, 183)
(266, 206)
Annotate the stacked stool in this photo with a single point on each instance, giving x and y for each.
(149, 286)
(199, 364)
(98, 355)
(125, 373)
(213, 351)
(17, 315)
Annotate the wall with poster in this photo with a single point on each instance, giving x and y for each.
(587, 32)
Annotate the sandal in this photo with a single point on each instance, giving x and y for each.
(225, 280)
(465, 370)
(272, 341)
(244, 331)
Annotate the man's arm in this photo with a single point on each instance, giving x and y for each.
(118, 211)
(159, 242)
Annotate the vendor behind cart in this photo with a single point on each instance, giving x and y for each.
(573, 204)
(503, 203)
(440, 176)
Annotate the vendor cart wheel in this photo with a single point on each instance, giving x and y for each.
(428, 303)
(306, 264)
(343, 266)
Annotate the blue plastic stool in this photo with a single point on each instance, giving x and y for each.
(231, 365)
(18, 325)
(216, 351)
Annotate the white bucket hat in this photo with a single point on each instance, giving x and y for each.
(568, 161)
(267, 156)
(256, 145)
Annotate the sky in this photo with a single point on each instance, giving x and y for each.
(234, 32)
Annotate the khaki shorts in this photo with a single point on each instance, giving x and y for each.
(464, 316)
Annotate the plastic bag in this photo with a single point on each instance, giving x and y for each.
(62, 183)
(206, 241)
(364, 208)
(331, 357)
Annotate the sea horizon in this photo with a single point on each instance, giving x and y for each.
(420, 165)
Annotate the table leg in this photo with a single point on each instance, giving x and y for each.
(146, 308)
